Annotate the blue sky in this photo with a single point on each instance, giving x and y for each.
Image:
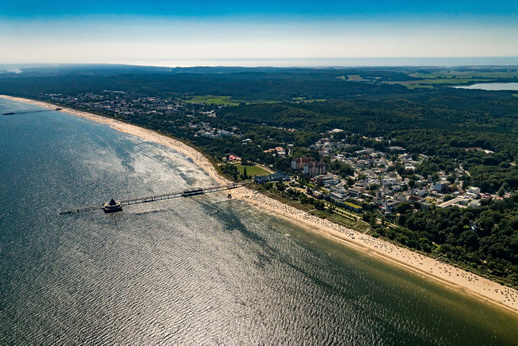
(196, 8)
(154, 32)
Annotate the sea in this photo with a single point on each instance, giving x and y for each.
(203, 270)
(327, 62)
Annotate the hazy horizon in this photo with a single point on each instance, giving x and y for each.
(136, 32)
(292, 63)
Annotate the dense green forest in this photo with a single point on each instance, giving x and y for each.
(275, 107)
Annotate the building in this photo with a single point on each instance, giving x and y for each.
(327, 179)
(315, 168)
(280, 151)
(337, 196)
(233, 158)
(441, 186)
(223, 133)
(389, 206)
(298, 163)
(389, 181)
(261, 179)
(474, 191)
(356, 191)
(349, 205)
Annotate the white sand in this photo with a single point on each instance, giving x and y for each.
(429, 268)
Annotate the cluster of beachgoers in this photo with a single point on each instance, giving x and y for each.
(427, 267)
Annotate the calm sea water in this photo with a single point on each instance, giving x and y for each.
(198, 271)
(326, 62)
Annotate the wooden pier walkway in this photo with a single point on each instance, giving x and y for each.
(35, 111)
(184, 193)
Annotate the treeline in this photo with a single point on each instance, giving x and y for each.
(247, 85)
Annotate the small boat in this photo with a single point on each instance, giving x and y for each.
(112, 206)
(9, 113)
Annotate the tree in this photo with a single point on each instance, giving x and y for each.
(320, 205)
(346, 170)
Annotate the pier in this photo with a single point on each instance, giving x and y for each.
(35, 111)
(184, 193)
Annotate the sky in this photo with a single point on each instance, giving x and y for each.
(253, 33)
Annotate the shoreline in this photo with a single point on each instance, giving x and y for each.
(426, 267)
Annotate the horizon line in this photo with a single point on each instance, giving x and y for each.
(234, 62)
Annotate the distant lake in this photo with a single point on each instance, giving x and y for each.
(491, 86)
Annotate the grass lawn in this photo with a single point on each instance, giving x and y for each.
(252, 170)
(213, 100)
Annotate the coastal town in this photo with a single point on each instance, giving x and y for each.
(341, 172)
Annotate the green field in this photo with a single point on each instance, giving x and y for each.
(356, 78)
(252, 170)
(304, 100)
(418, 86)
(213, 100)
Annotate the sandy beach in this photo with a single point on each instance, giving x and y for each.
(426, 267)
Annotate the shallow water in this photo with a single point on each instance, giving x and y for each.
(200, 270)
(491, 86)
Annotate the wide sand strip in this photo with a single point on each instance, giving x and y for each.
(453, 277)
